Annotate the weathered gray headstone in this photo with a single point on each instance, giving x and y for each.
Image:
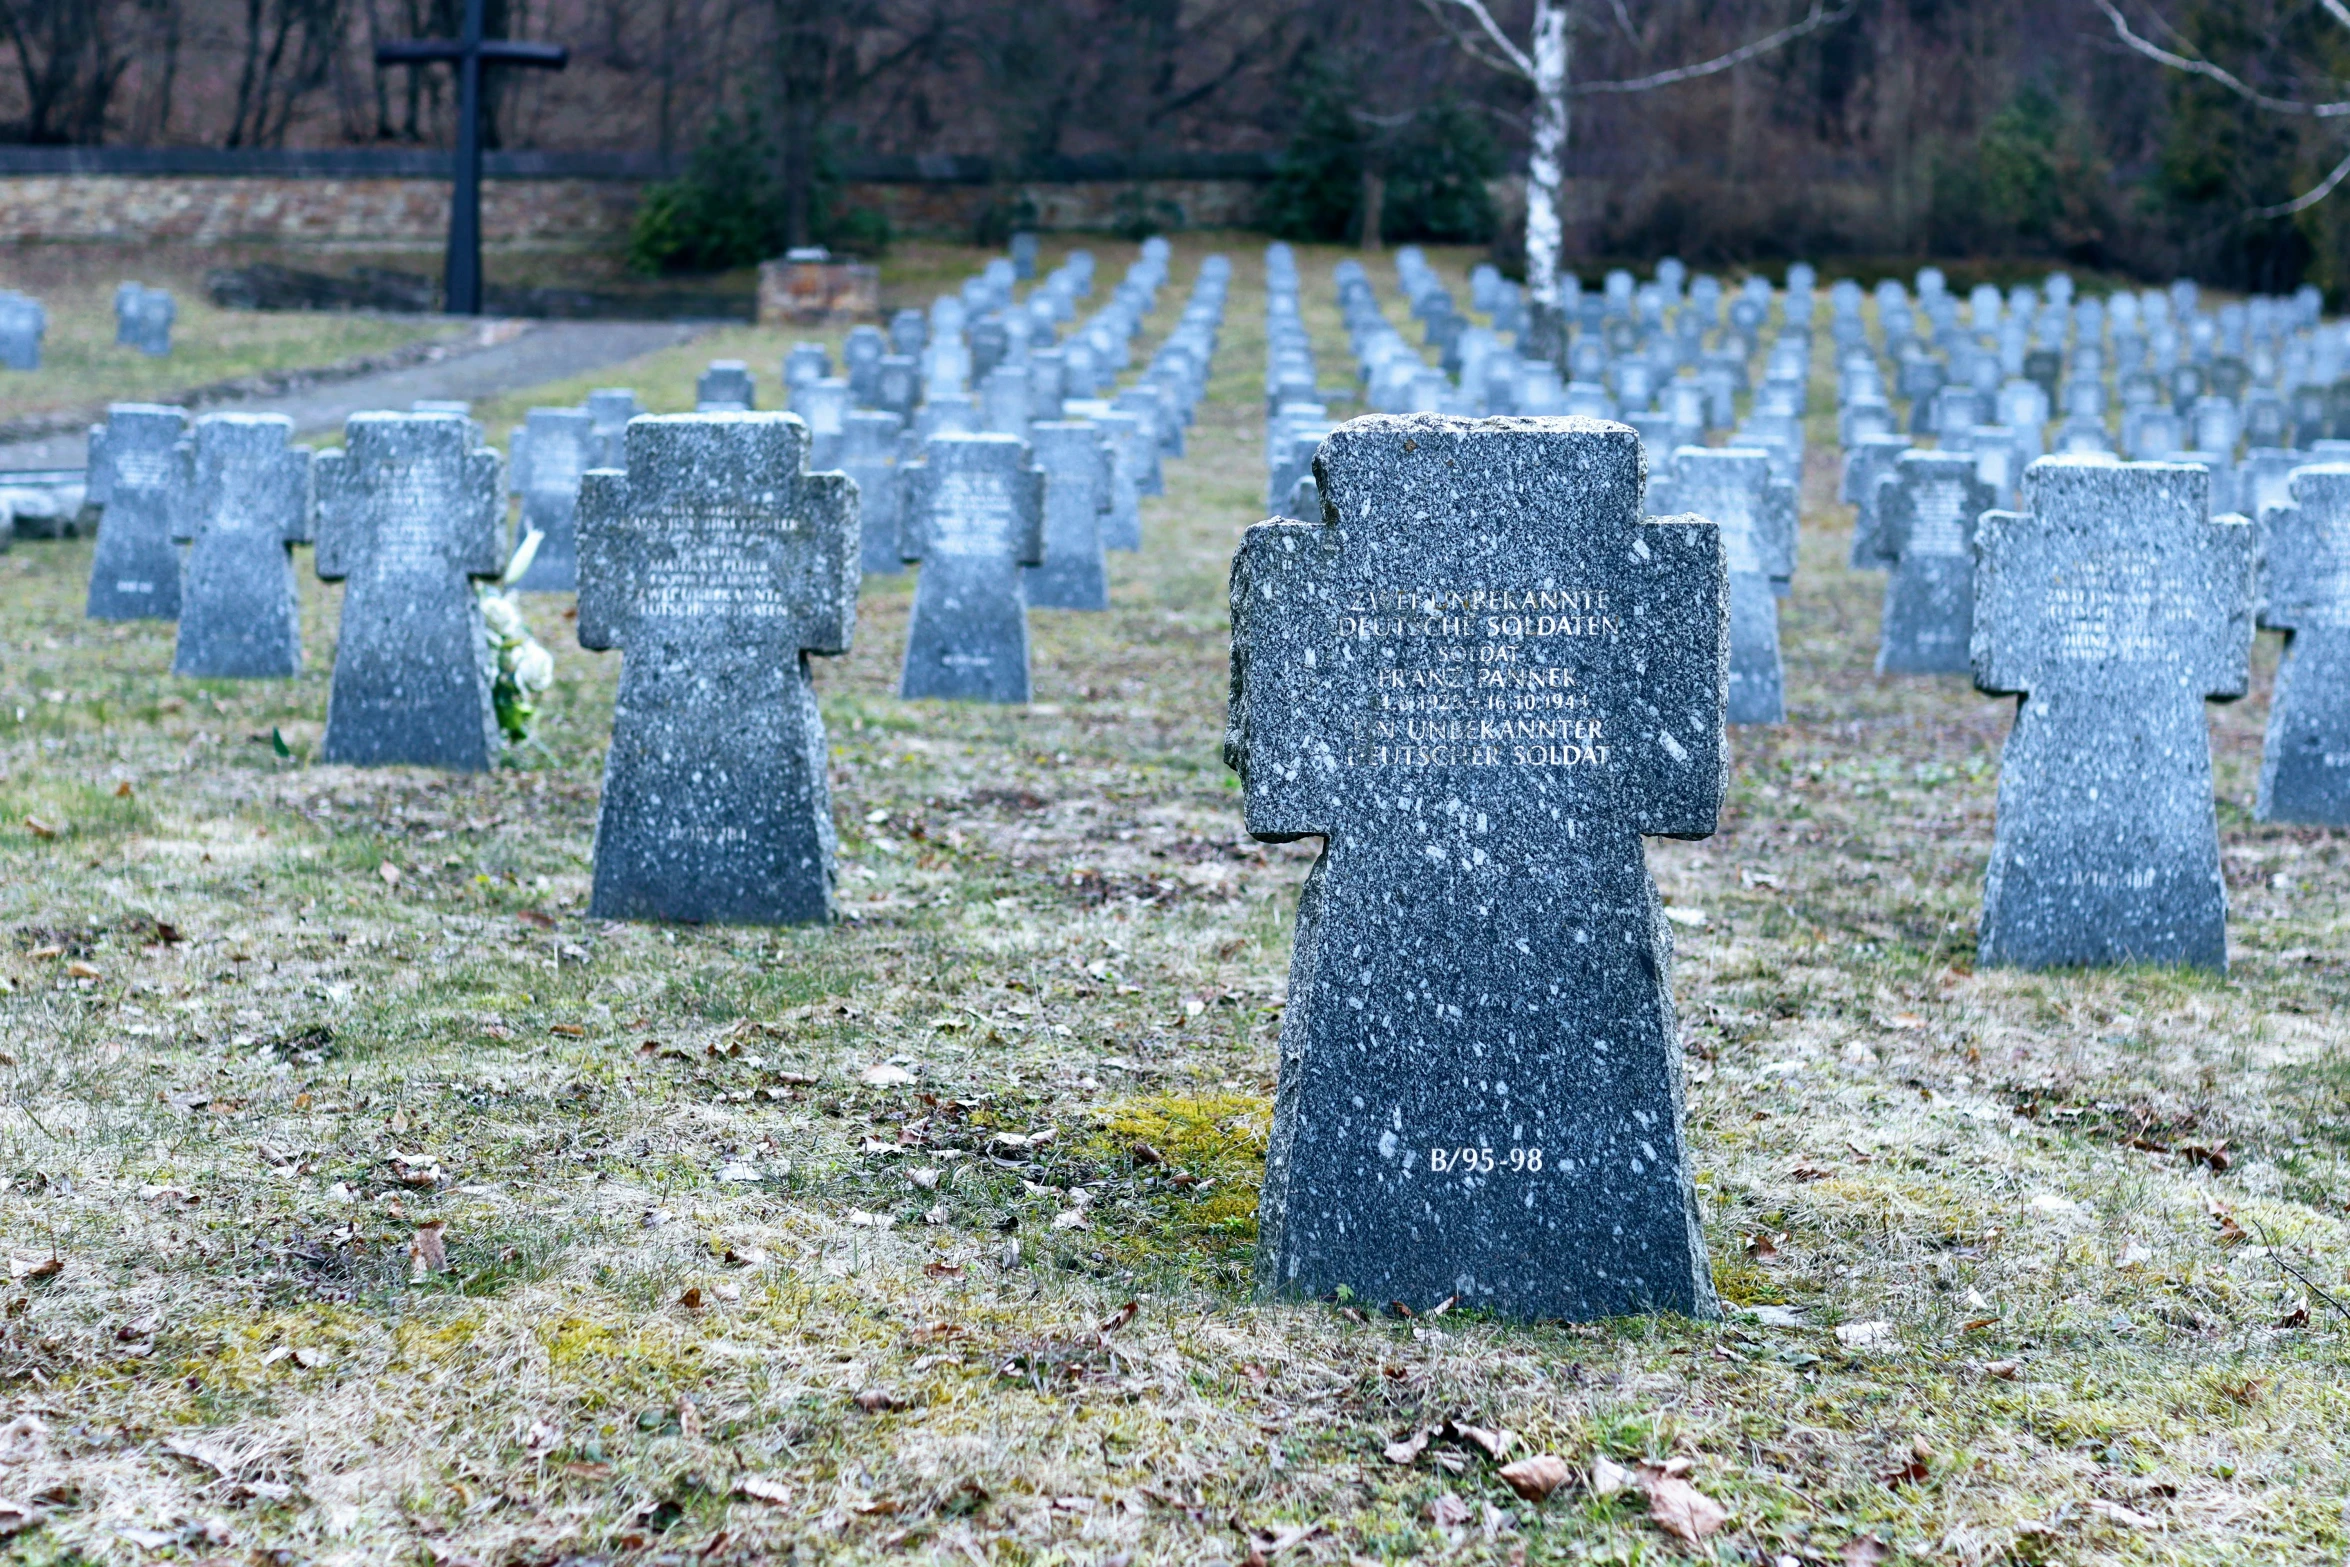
(410, 509)
(869, 455)
(143, 318)
(609, 410)
(806, 362)
(23, 323)
(1075, 458)
(1479, 681)
(1870, 458)
(1732, 488)
(1024, 256)
(1926, 511)
(2112, 607)
(909, 332)
(2305, 765)
(1122, 528)
(717, 563)
(824, 405)
(244, 506)
(727, 387)
(973, 516)
(551, 450)
(1003, 401)
(134, 479)
(861, 357)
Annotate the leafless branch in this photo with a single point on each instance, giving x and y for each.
(1820, 17)
(1495, 39)
(2337, 10)
(2307, 199)
(2204, 68)
(1624, 20)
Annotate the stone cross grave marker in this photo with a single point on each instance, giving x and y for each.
(410, 510)
(1926, 511)
(869, 455)
(973, 516)
(609, 410)
(861, 357)
(1076, 462)
(716, 564)
(245, 505)
(824, 403)
(1122, 528)
(2112, 607)
(1732, 488)
(728, 386)
(1869, 458)
(550, 452)
(1479, 681)
(143, 318)
(135, 479)
(23, 323)
(2305, 765)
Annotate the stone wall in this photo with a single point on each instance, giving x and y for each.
(526, 214)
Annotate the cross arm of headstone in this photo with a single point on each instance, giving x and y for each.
(913, 481)
(1283, 590)
(1028, 498)
(831, 505)
(482, 550)
(1775, 535)
(608, 576)
(100, 487)
(180, 520)
(294, 480)
(1682, 699)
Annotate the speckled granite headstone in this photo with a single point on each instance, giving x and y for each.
(410, 509)
(134, 479)
(246, 505)
(609, 410)
(1732, 488)
(716, 564)
(551, 450)
(824, 404)
(1076, 463)
(974, 515)
(1479, 682)
(1870, 458)
(2112, 608)
(1926, 511)
(869, 455)
(2305, 765)
(727, 386)
(1122, 528)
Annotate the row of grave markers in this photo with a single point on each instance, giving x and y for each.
(143, 318)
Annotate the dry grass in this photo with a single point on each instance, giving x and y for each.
(686, 1233)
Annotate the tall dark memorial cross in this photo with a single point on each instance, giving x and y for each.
(1480, 681)
(2113, 608)
(716, 563)
(470, 52)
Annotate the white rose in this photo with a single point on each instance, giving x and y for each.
(534, 667)
(500, 615)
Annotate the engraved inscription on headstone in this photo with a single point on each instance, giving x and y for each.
(2112, 608)
(409, 510)
(245, 506)
(134, 478)
(1479, 681)
(973, 516)
(1926, 511)
(717, 563)
(2305, 765)
(1076, 463)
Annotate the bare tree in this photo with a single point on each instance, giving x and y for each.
(2195, 66)
(1544, 64)
(70, 62)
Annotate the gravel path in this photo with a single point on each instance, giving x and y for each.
(548, 351)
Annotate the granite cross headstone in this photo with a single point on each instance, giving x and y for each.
(726, 387)
(410, 509)
(23, 322)
(551, 450)
(973, 516)
(135, 480)
(869, 455)
(1732, 488)
(717, 563)
(245, 505)
(143, 318)
(2112, 607)
(609, 410)
(2305, 765)
(1075, 458)
(1926, 511)
(1479, 680)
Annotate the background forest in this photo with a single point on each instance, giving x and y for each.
(1999, 129)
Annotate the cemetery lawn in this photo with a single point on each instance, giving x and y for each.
(367, 1202)
(83, 369)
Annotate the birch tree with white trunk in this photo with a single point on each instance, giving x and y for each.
(1544, 64)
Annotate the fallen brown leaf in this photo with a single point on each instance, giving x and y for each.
(123, 790)
(1450, 1512)
(2298, 1317)
(1864, 1550)
(2216, 1155)
(762, 1488)
(2004, 1370)
(29, 1268)
(875, 1400)
(943, 1270)
(1977, 1324)
(1119, 1318)
(689, 1415)
(1536, 1477)
(45, 954)
(691, 1300)
(534, 917)
(1406, 1450)
(2224, 1227)
(1608, 1477)
(39, 828)
(1683, 1511)
(567, 1030)
(389, 872)
(82, 971)
(1807, 1171)
(428, 1249)
(1492, 1443)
